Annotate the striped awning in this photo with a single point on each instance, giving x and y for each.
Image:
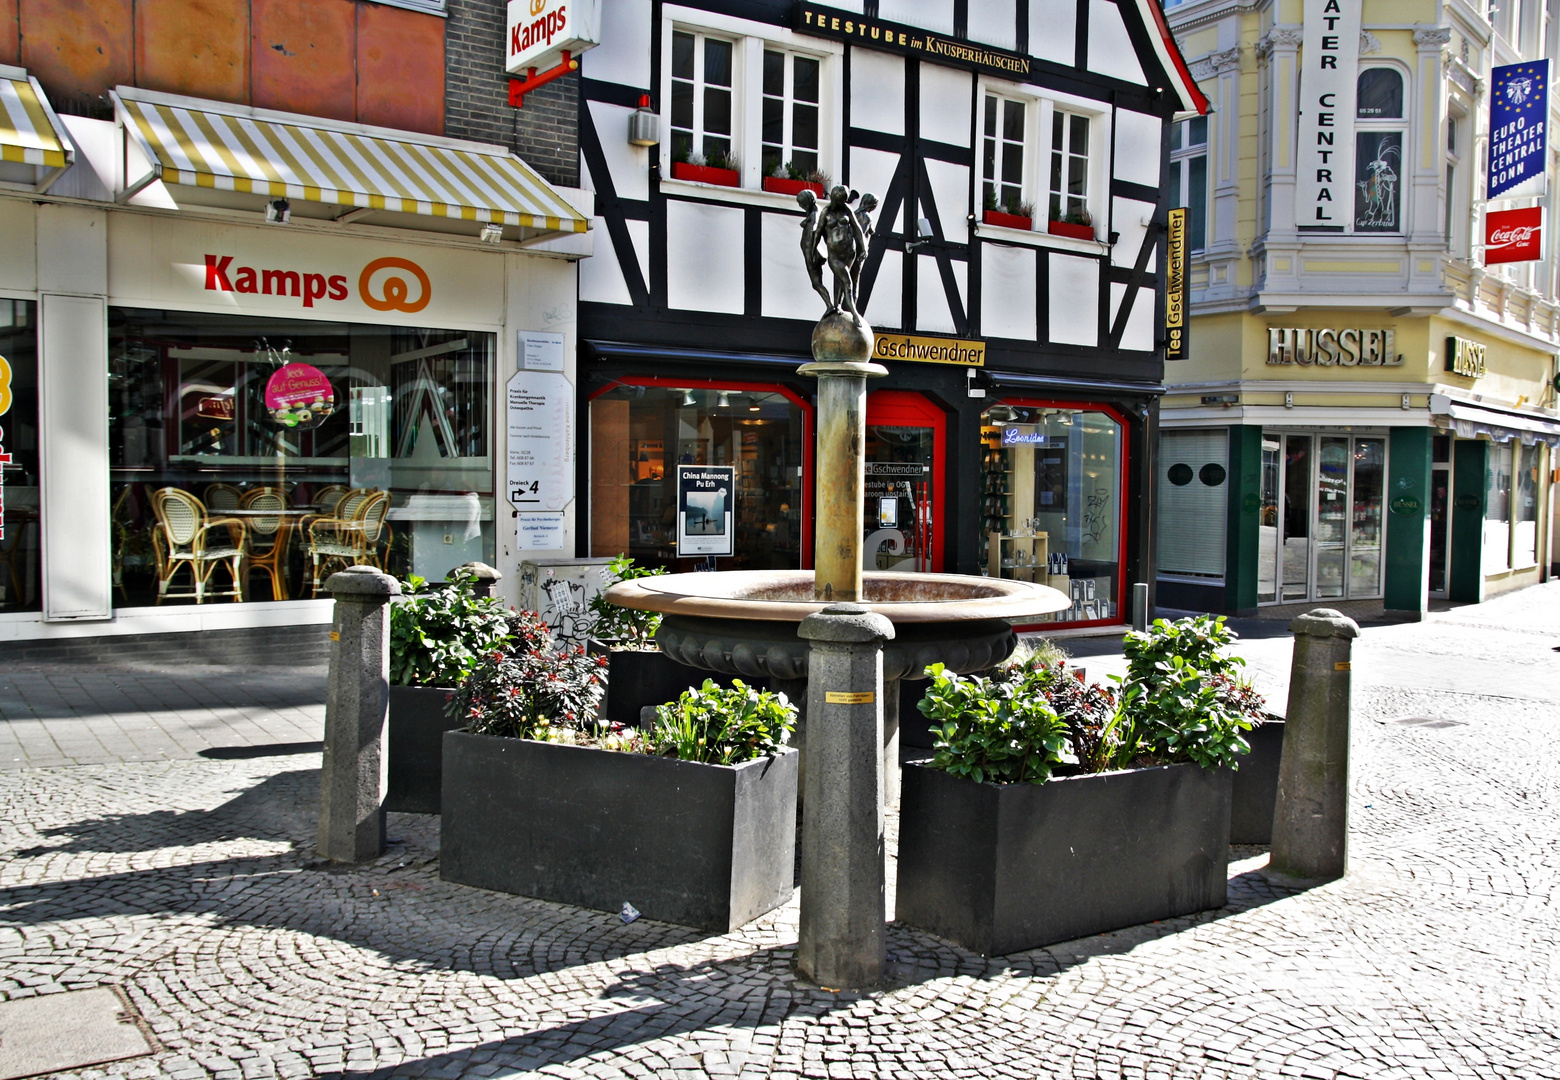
(30, 133)
(279, 155)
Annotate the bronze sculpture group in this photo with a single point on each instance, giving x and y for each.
(844, 233)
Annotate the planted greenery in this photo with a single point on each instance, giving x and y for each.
(1182, 700)
(437, 634)
(722, 726)
(621, 627)
(529, 686)
(992, 728)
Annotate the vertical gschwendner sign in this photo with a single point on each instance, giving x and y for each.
(1175, 286)
(540, 475)
(1324, 166)
(1519, 106)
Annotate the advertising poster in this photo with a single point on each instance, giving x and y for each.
(1514, 235)
(539, 408)
(704, 504)
(1519, 107)
(299, 396)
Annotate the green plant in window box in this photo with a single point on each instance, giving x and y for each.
(436, 634)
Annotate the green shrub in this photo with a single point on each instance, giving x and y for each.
(627, 628)
(992, 729)
(723, 727)
(1182, 699)
(437, 634)
(1087, 709)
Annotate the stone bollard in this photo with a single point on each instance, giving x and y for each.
(484, 577)
(842, 941)
(354, 776)
(1311, 817)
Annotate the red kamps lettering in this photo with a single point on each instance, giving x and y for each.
(542, 31)
(221, 275)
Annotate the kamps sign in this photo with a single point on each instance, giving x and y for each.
(1519, 111)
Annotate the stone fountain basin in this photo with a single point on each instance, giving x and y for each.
(744, 621)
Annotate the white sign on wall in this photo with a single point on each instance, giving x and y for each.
(540, 352)
(1324, 165)
(540, 30)
(540, 532)
(540, 427)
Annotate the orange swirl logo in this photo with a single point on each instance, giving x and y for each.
(538, 6)
(5, 386)
(395, 286)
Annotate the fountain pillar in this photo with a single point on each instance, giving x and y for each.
(842, 940)
(842, 470)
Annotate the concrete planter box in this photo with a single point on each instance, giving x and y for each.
(1002, 868)
(710, 846)
(1256, 785)
(416, 747)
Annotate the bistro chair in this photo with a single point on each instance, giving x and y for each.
(266, 539)
(328, 498)
(185, 535)
(220, 497)
(352, 538)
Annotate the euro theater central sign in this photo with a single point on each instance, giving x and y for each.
(906, 40)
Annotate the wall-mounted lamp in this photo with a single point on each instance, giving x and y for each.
(924, 230)
(644, 126)
(492, 233)
(278, 212)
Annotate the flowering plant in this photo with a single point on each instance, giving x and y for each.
(722, 727)
(525, 689)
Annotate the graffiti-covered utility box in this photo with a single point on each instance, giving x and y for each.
(561, 590)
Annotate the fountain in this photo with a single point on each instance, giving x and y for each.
(836, 638)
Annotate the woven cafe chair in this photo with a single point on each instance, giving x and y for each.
(267, 538)
(352, 537)
(219, 497)
(185, 535)
(328, 498)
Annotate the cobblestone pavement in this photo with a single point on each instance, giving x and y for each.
(190, 883)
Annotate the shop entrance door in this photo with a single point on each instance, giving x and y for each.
(1440, 512)
(904, 490)
(1321, 530)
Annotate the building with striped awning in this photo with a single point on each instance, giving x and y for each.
(35, 150)
(304, 327)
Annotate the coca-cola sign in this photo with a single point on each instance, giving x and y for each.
(1513, 235)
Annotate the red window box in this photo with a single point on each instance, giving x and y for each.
(791, 187)
(706, 174)
(1064, 228)
(1007, 221)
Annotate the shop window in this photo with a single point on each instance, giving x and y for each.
(1497, 509)
(1189, 177)
(19, 582)
(1051, 502)
(1193, 503)
(303, 446)
(1378, 151)
(715, 73)
(640, 434)
(1524, 538)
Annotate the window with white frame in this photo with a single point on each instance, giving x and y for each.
(792, 90)
(1457, 184)
(1378, 151)
(1067, 191)
(1041, 158)
(702, 112)
(1189, 177)
(755, 100)
(1004, 133)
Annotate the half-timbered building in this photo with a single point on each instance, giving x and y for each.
(1017, 150)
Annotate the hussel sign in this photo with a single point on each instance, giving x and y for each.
(1329, 59)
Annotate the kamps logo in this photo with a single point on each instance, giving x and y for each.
(387, 284)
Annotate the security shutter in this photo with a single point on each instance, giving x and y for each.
(1193, 501)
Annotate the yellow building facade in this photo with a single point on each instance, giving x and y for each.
(1367, 410)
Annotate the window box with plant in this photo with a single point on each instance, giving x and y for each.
(720, 169)
(1054, 809)
(788, 179)
(1078, 225)
(691, 821)
(1014, 214)
(436, 635)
